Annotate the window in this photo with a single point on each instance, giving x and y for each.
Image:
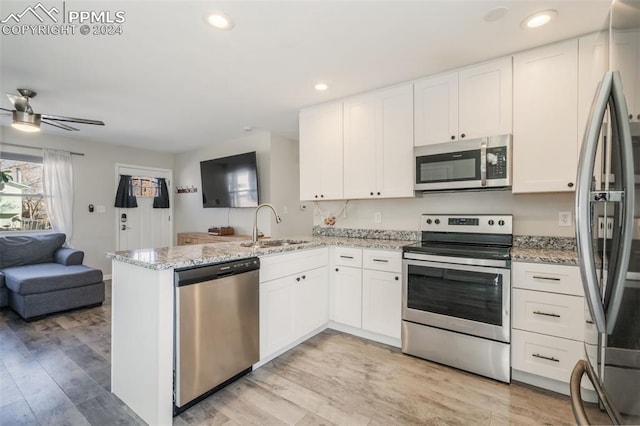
(22, 202)
(144, 186)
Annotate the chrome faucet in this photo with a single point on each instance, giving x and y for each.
(254, 234)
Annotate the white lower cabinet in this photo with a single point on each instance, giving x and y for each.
(547, 356)
(346, 295)
(382, 302)
(549, 324)
(366, 290)
(294, 297)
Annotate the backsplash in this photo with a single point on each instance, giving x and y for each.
(538, 242)
(374, 234)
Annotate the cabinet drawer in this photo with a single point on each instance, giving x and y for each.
(543, 277)
(548, 313)
(282, 265)
(546, 356)
(347, 256)
(382, 260)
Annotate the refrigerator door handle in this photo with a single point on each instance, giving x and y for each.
(577, 406)
(621, 129)
(584, 231)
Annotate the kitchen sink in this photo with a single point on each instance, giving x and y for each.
(273, 243)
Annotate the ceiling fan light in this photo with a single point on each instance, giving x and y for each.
(25, 127)
(26, 122)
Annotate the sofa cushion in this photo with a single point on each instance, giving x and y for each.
(16, 250)
(46, 277)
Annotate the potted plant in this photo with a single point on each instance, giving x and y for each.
(4, 178)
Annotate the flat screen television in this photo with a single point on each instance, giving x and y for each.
(230, 181)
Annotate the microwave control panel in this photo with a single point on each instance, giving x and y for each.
(497, 162)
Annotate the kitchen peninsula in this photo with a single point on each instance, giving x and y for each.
(142, 344)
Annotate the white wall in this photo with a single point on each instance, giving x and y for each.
(534, 214)
(278, 178)
(94, 183)
(285, 188)
(189, 213)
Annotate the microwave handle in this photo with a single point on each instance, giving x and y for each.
(483, 162)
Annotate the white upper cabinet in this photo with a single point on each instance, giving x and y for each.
(626, 59)
(593, 63)
(471, 103)
(545, 118)
(321, 152)
(436, 109)
(485, 100)
(378, 144)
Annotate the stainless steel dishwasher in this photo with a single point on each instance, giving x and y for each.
(217, 334)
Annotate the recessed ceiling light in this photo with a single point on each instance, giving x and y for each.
(220, 21)
(539, 19)
(495, 14)
(321, 87)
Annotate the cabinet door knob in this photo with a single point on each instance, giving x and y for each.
(316, 196)
(638, 117)
(371, 193)
(462, 135)
(298, 279)
(321, 195)
(570, 184)
(630, 116)
(378, 193)
(304, 277)
(396, 278)
(453, 138)
(337, 269)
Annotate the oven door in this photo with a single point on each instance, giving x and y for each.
(469, 299)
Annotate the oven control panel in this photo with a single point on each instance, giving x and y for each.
(482, 224)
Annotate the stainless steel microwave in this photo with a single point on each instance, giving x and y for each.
(475, 163)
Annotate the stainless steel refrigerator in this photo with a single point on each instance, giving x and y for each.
(608, 232)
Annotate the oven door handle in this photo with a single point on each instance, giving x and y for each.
(489, 263)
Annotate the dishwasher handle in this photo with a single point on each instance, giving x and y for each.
(188, 276)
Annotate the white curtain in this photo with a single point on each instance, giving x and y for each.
(58, 190)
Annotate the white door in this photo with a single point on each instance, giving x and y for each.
(144, 226)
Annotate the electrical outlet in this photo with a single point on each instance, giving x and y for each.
(377, 217)
(564, 218)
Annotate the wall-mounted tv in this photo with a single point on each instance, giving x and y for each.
(230, 181)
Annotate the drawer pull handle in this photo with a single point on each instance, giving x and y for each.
(588, 321)
(548, 358)
(381, 260)
(546, 278)
(346, 257)
(546, 314)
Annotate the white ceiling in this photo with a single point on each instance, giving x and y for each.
(172, 83)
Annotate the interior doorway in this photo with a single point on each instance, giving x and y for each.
(143, 226)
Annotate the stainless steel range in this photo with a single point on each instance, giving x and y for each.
(456, 293)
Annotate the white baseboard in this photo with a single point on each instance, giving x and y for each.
(106, 276)
(391, 341)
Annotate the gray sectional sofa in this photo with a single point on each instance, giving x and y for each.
(38, 276)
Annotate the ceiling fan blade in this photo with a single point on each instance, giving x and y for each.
(60, 125)
(72, 120)
(20, 103)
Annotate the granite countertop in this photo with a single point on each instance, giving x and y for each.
(537, 249)
(203, 254)
(556, 250)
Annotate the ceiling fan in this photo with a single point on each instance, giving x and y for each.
(26, 120)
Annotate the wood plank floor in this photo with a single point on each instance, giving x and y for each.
(57, 371)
